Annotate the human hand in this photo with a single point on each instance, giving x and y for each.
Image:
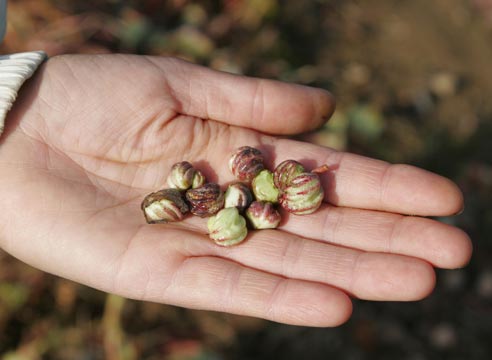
(90, 136)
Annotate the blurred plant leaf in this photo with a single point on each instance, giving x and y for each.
(190, 41)
(365, 122)
(13, 296)
(134, 30)
(115, 345)
(333, 134)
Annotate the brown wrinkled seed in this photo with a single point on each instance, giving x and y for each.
(246, 163)
(205, 200)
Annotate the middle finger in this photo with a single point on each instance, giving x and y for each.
(366, 275)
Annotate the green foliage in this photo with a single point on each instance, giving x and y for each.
(365, 122)
(13, 295)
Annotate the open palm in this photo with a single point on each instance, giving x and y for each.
(90, 136)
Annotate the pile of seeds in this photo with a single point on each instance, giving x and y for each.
(255, 197)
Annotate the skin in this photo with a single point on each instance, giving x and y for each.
(90, 136)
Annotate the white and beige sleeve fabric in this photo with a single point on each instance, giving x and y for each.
(15, 69)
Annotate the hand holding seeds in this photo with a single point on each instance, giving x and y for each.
(298, 191)
(76, 169)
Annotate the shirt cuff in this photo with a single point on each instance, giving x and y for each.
(15, 69)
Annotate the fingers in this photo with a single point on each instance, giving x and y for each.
(146, 272)
(216, 284)
(354, 181)
(369, 276)
(361, 182)
(168, 265)
(265, 105)
(442, 245)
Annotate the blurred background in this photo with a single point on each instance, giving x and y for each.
(413, 80)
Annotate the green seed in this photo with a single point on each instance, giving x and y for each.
(264, 188)
(227, 227)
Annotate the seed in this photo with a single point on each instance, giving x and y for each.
(263, 215)
(164, 206)
(184, 176)
(246, 163)
(285, 172)
(198, 180)
(303, 195)
(228, 227)
(205, 200)
(264, 188)
(238, 195)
